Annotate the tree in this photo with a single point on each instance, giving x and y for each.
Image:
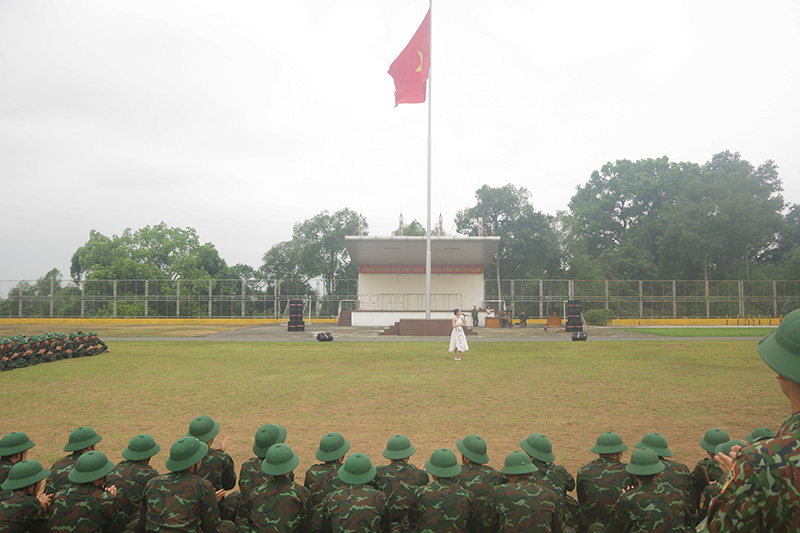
(528, 244)
(157, 252)
(414, 229)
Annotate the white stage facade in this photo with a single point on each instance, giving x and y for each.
(391, 276)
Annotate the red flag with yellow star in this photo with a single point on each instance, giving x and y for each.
(410, 69)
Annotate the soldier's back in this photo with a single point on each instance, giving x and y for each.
(84, 507)
(443, 506)
(599, 484)
(651, 508)
(356, 509)
(277, 504)
(181, 501)
(130, 479)
(397, 481)
(20, 513)
(523, 506)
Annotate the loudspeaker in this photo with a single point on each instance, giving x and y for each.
(579, 336)
(324, 337)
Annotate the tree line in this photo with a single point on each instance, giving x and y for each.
(640, 220)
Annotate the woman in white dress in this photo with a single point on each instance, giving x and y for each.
(458, 340)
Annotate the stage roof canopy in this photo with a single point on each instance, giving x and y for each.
(461, 250)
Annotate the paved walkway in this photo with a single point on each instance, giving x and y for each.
(278, 333)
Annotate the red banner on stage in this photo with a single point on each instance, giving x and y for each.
(413, 269)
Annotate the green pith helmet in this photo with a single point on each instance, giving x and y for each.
(266, 436)
(518, 463)
(82, 438)
(713, 438)
(725, 447)
(185, 452)
(356, 470)
(473, 448)
(89, 467)
(644, 462)
(781, 348)
(332, 446)
(14, 443)
(539, 447)
(24, 474)
(655, 442)
(609, 442)
(760, 433)
(443, 463)
(140, 448)
(279, 460)
(203, 428)
(398, 447)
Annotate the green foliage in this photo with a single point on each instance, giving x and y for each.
(598, 317)
(414, 229)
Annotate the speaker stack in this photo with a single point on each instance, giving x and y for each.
(296, 322)
(574, 321)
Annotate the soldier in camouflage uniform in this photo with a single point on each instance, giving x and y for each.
(181, 500)
(523, 504)
(81, 440)
(321, 478)
(707, 473)
(24, 506)
(762, 491)
(476, 475)
(540, 450)
(278, 503)
(133, 473)
(86, 504)
(601, 481)
(217, 466)
(356, 507)
(650, 507)
(398, 479)
(13, 449)
(443, 505)
(251, 474)
(675, 474)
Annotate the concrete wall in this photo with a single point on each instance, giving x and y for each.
(468, 286)
(387, 318)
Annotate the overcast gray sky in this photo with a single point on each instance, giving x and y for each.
(240, 118)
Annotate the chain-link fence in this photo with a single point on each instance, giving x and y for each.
(269, 298)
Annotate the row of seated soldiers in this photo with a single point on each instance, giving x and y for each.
(21, 351)
(85, 491)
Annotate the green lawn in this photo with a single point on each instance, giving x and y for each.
(370, 391)
(704, 331)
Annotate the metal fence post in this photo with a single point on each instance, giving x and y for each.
(146, 295)
(210, 282)
(674, 299)
(52, 295)
(178, 300)
(244, 291)
(641, 299)
(114, 300)
(83, 298)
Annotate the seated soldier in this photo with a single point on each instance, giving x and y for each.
(24, 505)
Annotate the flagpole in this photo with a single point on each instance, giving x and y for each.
(428, 232)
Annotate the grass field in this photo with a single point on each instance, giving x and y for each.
(370, 391)
(726, 331)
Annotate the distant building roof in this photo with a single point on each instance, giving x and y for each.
(448, 250)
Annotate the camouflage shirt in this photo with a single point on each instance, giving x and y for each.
(59, 473)
(763, 493)
(523, 506)
(181, 501)
(442, 506)
(251, 475)
(599, 484)
(5, 466)
(218, 469)
(677, 476)
(84, 507)
(556, 475)
(651, 507)
(355, 509)
(20, 512)
(480, 480)
(397, 481)
(131, 478)
(277, 504)
(320, 480)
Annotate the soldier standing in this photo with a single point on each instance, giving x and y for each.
(761, 493)
(356, 507)
(601, 481)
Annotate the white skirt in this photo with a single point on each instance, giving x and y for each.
(458, 340)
